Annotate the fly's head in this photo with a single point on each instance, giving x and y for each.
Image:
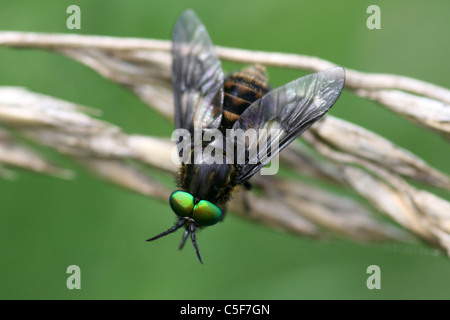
(192, 213)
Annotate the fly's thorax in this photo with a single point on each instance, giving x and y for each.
(212, 182)
(241, 89)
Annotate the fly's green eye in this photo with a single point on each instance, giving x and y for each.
(181, 203)
(206, 213)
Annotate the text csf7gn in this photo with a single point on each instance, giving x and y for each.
(206, 100)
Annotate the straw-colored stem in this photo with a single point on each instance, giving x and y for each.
(373, 172)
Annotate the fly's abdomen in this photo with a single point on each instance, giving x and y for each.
(241, 89)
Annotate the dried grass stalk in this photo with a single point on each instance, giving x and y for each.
(375, 172)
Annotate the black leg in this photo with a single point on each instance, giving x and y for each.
(177, 226)
(183, 240)
(194, 241)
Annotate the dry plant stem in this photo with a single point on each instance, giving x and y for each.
(370, 166)
(107, 151)
(392, 195)
(15, 154)
(426, 112)
(113, 155)
(355, 79)
(364, 144)
(143, 65)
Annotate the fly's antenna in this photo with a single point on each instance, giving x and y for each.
(194, 241)
(177, 226)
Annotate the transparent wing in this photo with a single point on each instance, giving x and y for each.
(286, 113)
(197, 75)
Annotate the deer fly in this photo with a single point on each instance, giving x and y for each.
(206, 100)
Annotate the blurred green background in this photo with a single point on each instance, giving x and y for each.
(47, 224)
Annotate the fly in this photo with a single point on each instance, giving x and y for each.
(206, 100)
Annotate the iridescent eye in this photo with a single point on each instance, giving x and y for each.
(206, 213)
(181, 203)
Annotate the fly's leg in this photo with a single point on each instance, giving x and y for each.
(248, 186)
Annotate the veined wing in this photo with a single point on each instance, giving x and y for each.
(197, 75)
(286, 113)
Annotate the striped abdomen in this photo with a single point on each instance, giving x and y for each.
(241, 89)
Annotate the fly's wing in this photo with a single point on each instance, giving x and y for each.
(197, 75)
(286, 113)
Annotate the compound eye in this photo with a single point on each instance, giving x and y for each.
(181, 203)
(207, 213)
